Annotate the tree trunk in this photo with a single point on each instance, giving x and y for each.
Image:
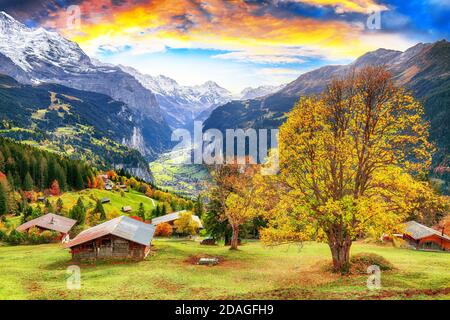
(340, 252)
(234, 238)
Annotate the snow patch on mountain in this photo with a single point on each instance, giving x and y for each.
(259, 92)
(29, 48)
(181, 104)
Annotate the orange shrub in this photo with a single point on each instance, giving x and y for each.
(163, 230)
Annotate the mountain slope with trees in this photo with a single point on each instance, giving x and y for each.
(424, 69)
(85, 125)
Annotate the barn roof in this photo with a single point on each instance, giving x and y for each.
(418, 231)
(123, 227)
(174, 216)
(49, 221)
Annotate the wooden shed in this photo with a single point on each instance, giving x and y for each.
(52, 222)
(422, 237)
(126, 209)
(120, 238)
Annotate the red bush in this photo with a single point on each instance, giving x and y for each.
(163, 230)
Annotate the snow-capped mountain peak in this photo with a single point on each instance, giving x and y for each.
(35, 55)
(29, 48)
(182, 104)
(259, 92)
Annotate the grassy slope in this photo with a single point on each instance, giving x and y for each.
(38, 272)
(131, 198)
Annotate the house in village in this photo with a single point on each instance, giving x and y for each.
(108, 184)
(127, 209)
(105, 200)
(52, 222)
(120, 238)
(122, 187)
(421, 237)
(172, 217)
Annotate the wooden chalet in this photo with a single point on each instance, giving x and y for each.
(120, 238)
(52, 222)
(421, 237)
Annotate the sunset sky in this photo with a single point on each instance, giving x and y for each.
(236, 43)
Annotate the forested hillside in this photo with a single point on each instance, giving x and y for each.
(80, 124)
(25, 168)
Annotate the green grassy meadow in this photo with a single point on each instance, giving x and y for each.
(132, 198)
(253, 272)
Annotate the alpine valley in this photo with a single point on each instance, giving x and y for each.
(55, 96)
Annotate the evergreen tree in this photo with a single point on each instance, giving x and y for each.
(141, 211)
(3, 201)
(48, 207)
(78, 212)
(198, 207)
(60, 176)
(78, 183)
(37, 212)
(59, 205)
(11, 180)
(27, 214)
(11, 204)
(100, 210)
(2, 162)
(28, 182)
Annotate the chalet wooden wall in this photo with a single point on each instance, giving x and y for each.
(109, 247)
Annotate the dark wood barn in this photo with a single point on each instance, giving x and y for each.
(120, 238)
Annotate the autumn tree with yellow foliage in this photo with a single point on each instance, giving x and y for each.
(186, 224)
(349, 161)
(234, 190)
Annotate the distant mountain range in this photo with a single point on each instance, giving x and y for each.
(259, 92)
(424, 69)
(181, 105)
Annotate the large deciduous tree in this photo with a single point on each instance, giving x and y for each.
(347, 158)
(234, 192)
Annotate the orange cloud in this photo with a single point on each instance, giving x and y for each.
(232, 25)
(360, 6)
